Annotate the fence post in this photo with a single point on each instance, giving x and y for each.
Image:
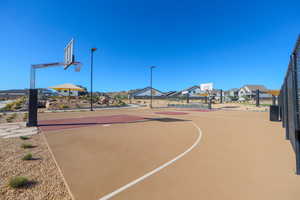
(273, 100)
(257, 97)
(221, 100)
(209, 103)
(32, 108)
(187, 98)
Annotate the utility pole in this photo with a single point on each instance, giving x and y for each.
(92, 60)
(151, 96)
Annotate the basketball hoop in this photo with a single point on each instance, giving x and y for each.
(69, 59)
(78, 66)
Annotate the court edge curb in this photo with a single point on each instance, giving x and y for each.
(154, 171)
(57, 166)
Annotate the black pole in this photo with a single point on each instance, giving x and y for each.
(209, 103)
(273, 100)
(32, 108)
(257, 97)
(92, 59)
(188, 97)
(69, 95)
(151, 94)
(221, 100)
(151, 87)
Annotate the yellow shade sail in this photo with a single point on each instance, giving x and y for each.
(273, 92)
(203, 95)
(67, 86)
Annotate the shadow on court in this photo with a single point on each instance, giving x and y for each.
(59, 124)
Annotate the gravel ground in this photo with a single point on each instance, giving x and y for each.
(47, 182)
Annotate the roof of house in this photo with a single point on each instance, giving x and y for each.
(187, 89)
(14, 91)
(170, 93)
(233, 89)
(256, 87)
(143, 90)
(191, 88)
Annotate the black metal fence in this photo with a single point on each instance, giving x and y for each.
(288, 101)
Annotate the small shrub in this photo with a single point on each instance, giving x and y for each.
(122, 103)
(63, 106)
(27, 146)
(27, 157)
(25, 117)
(24, 137)
(13, 116)
(9, 119)
(18, 181)
(8, 107)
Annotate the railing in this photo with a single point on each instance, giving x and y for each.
(289, 103)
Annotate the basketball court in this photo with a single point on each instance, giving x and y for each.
(165, 154)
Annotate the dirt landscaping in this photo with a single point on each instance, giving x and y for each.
(45, 181)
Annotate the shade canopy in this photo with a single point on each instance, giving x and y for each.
(274, 92)
(67, 86)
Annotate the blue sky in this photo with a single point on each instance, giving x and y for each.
(229, 43)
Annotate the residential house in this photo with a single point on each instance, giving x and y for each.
(249, 91)
(234, 92)
(146, 93)
(231, 94)
(193, 91)
(170, 94)
(13, 94)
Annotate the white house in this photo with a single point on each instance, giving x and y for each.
(249, 91)
(192, 91)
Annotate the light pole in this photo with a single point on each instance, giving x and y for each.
(92, 60)
(151, 68)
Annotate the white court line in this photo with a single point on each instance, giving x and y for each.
(132, 183)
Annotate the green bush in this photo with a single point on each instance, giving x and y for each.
(13, 116)
(18, 181)
(63, 106)
(8, 107)
(27, 157)
(24, 137)
(27, 146)
(25, 117)
(122, 103)
(9, 119)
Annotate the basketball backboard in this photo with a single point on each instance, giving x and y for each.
(69, 54)
(206, 86)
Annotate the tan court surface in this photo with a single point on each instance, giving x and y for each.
(241, 156)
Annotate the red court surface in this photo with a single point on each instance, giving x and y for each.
(171, 113)
(199, 110)
(59, 124)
